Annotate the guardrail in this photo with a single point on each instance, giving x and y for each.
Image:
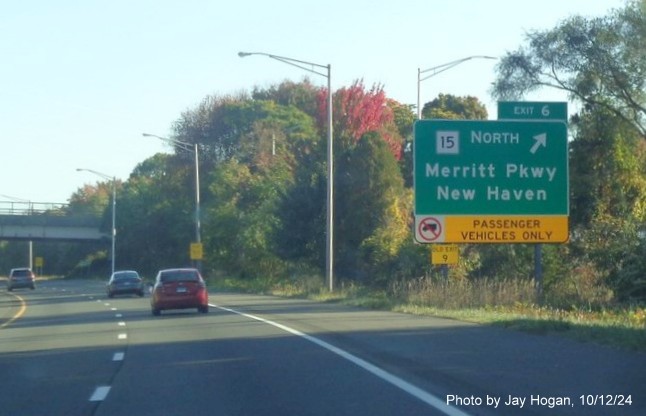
(47, 221)
(32, 208)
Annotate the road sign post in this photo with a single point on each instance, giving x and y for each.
(532, 110)
(491, 181)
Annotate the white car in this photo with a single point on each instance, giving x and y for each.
(21, 277)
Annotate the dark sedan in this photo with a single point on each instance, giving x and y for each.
(125, 282)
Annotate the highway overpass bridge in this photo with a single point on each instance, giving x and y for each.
(34, 221)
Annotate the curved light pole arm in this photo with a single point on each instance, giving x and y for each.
(290, 61)
(435, 70)
(182, 145)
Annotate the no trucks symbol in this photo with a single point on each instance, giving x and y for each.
(429, 229)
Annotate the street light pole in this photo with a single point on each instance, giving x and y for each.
(438, 70)
(309, 66)
(190, 148)
(114, 209)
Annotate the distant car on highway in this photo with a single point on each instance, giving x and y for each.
(181, 288)
(124, 282)
(21, 277)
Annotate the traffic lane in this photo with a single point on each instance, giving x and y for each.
(53, 382)
(450, 358)
(226, 364)
(60, 317)
(53, 357)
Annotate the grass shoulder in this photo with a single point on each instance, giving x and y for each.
(620, 327)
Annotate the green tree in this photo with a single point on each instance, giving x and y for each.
(607, 168)
(302, 95)
(599, 62)
(241, 225)
(369, 190)
(215, 125)
(246, 185)
(608, 208)
(447, 106)
(155, 209)
(404, 118)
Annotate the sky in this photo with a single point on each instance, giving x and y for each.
(81, 80)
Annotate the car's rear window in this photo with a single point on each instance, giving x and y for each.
(21, 273)
(179, 276)
(126, 275)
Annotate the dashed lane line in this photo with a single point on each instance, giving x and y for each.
(100, 393)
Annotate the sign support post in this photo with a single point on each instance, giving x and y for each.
(530, 110)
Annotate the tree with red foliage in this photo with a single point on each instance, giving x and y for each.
(358, 111)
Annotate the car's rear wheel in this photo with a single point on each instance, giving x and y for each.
(156, 312)
(203, 309)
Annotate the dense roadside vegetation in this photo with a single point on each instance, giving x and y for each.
(263, 188)
(490, 302)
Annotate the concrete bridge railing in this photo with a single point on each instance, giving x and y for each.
(44, 221)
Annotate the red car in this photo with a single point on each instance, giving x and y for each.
(179, 289)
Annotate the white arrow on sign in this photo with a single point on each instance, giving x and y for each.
(541, 140)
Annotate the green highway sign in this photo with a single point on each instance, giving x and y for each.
(469, 167)
(532, 110)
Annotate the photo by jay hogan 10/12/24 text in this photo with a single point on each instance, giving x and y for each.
(520, 402)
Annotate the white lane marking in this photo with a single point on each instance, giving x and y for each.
(414, 391)
(113, 309)
(121, 323)
(100, 393)
(122, 336)
(118, 356)
(118, 315)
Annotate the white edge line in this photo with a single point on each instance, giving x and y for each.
(118, 356)
(100, 393)
(414, 391)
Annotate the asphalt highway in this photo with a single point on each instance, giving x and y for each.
(66, 349)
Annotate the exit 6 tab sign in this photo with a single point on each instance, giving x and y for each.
(491, 181)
